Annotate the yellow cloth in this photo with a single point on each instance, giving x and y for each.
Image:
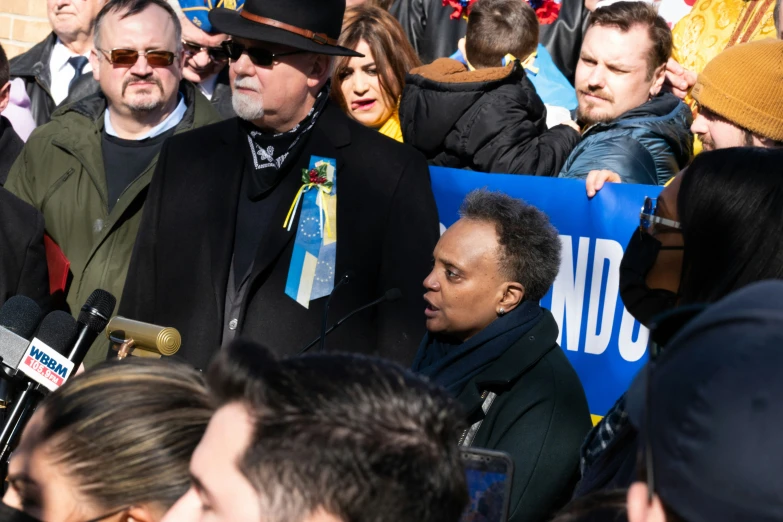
(392, 127)
(714, 25)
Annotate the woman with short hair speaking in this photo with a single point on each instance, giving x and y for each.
(494, 348)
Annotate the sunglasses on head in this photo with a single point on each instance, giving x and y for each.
(216, 54)
(259, 56)
(129, 57)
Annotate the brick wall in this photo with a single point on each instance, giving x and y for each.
(23, 23)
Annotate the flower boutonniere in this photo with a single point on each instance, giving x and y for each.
(317, 176)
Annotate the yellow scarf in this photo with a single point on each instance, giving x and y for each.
(392, 127)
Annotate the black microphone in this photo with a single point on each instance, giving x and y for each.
(19, 317)
(93, 319)
(344, 280)
(391, 295)
(42, 366)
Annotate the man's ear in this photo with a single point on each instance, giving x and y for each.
(5, 95)
(320, 70)
(95, 63)
(321, 515)
(658, 78)
(640, 509)
(142, 514)
(513, 294)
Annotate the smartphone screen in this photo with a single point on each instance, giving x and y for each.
(489, 485)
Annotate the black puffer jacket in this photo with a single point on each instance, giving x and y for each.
(433, 33)
(33, 68)
(489, 120)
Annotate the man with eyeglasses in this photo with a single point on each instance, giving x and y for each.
(205, 59)
(284, 203)
(89, 168)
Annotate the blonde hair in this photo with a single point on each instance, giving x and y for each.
(125, 431)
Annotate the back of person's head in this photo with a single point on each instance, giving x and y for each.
(361, 439)
(626, 15)
(709, 416)
(530, 246)
(392, 53)
(118, 436)
(730, 206)
(497, 28)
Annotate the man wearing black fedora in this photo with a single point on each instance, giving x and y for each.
(253, 223)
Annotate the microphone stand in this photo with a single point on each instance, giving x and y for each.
(390, 295)
(345, 279)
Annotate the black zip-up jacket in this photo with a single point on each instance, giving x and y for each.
(33, 68)
(489, 120)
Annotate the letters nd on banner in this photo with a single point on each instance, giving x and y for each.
(605, 344)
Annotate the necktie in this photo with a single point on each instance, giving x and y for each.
(78, 63)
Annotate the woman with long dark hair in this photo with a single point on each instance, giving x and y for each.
(715, 229)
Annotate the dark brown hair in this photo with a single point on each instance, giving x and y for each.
(625, 15)
(497, 28)
(133, 7)
(393, 54)
(361, 438)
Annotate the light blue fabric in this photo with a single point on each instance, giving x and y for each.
(551, 85)
(170, 122)
(197, 11)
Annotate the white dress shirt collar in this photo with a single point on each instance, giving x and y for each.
(61, 72)
(207, 87)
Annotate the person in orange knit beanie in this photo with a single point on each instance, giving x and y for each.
(740, 97)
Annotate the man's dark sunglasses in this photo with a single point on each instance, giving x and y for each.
(259, 56)
(216, 54)
(129, 57)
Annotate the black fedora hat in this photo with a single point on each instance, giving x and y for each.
(309, 25)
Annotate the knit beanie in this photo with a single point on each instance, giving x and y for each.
(744, 85)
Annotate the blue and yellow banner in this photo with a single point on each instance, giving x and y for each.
(605, 344)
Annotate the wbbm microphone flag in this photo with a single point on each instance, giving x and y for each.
(605, 344)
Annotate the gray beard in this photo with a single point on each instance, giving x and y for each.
(247, 108)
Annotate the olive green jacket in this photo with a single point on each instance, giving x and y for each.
(61, 172)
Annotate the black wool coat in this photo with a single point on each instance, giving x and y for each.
(540, 417)
(23, 269)
(387, 227)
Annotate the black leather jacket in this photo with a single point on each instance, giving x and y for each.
(434, 34)
(33, 68)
